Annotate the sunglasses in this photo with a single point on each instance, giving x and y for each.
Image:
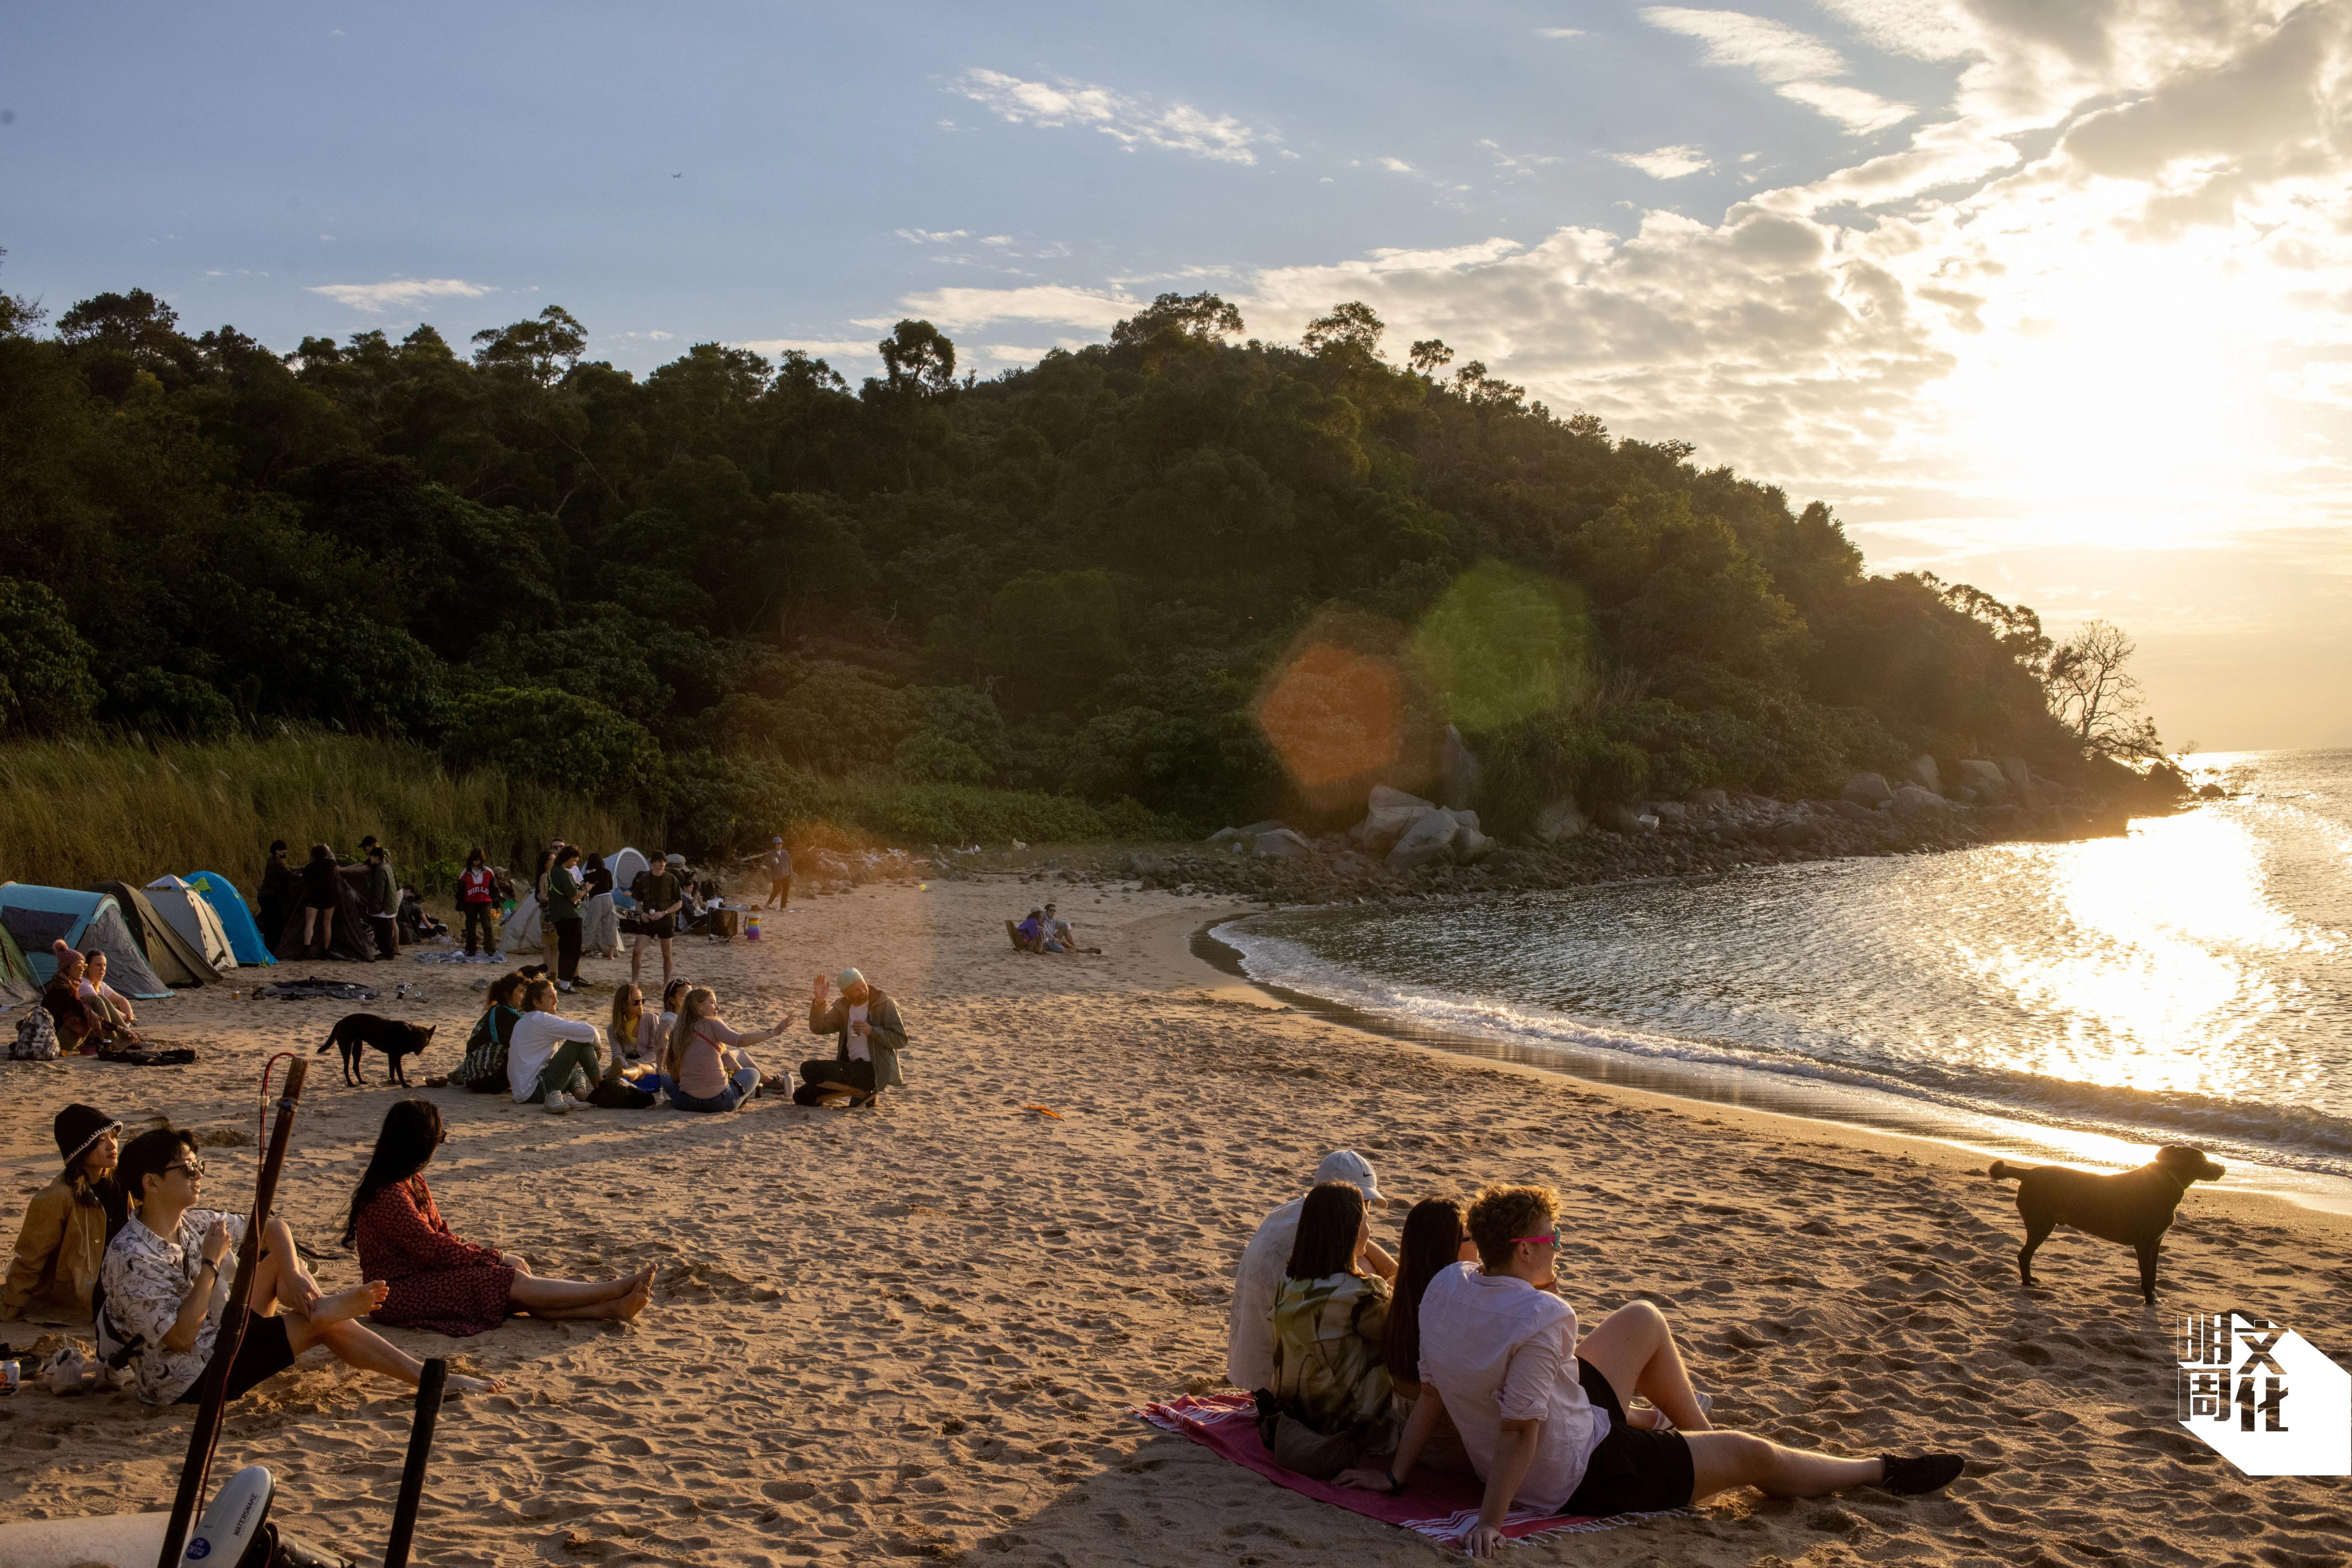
(195, 1168)
(1552, 1240)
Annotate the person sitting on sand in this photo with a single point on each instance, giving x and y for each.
(86, 1021)
(1249, 1349)
(1543, 1415)
(1029, 935)
(63, 1239)
(484, 1071)
(104, 999)
(1330, 1327)
(165, 1289)
(1059, 937)
(1436, 1237)
(705, 1064)
(868, 1034)
(433, 1279)
(551, 1059)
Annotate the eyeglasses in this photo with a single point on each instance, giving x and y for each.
(195, 1168)
(1549, 1240)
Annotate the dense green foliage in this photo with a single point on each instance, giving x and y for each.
(711, 589)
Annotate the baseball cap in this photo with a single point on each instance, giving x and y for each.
(1347, 1165)
(847, 978)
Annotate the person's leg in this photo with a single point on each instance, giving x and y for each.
(1634, 1350)
(580, 1297)
(356, 1345)
(786, 903)
(1721, 1459)
(570, 1057)
(567, 947)
(665, 964)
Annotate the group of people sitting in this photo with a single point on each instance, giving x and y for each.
(1045, 931)
(120, 1240)
(1461, 1356)
(682, 1050)
(92, 1018)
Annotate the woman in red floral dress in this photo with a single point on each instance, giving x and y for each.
(437, 1281)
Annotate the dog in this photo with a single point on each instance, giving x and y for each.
(356, 1031)
(2133, 1207)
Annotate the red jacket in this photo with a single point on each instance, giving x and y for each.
(477, 886)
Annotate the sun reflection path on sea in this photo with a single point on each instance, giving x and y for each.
(2156, 966)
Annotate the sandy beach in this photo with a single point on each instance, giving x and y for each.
(919, 1330)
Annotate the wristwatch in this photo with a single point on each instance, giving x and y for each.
(1396, 1487)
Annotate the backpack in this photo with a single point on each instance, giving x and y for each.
(114, 1347)
(37, 1038)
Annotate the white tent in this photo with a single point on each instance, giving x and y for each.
(194, 917)
(520, 931)
(624, 863)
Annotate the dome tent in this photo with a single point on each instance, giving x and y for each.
(37, 916)
(186, 912)
(245, 938)
(169, 955)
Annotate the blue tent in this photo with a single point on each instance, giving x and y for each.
(244, 935)
(37, 917)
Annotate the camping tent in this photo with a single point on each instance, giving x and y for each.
(520, 932)
(185, 911)
(624, 865)
(16, 976)
(354, 938)
(38, 916)
(168, 953)
(244, 932)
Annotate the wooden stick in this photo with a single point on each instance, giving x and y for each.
(412, 1475)
(196, 1469)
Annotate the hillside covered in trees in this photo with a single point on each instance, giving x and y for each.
(1191, 578)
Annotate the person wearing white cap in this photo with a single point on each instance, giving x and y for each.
(868, 1035)
(1249, 1349)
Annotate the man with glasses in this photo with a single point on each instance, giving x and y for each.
(165, 1283)
(1543, 1415)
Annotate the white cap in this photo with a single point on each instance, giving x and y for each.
(847, 978)
(1347, 1165)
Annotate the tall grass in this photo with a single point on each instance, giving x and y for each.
(72, 813)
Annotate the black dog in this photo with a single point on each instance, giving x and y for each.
(356, 1031)
(2133, 1207)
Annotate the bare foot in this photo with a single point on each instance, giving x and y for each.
(632, 1304)
(461, 1384)
(349, 1304)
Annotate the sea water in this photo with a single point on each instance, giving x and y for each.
(2189, 980)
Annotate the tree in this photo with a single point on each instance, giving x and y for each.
(1352, 325)
(544, 349)
(2090, 693)
(1202, 316)
(1429, 355)
(45, 681)
(919, 364)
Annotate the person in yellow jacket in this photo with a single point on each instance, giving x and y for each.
(63, 1239)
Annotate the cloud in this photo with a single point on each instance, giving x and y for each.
(1797, 66)
(1131, 123)
(1559, 32)
(816, 348)
(375, 298)
(1666, 162)
(1396, 165)
(932, 236)
(960, 309)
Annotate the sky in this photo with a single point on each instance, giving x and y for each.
(2049, 296)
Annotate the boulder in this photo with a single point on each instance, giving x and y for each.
(1987, 778)
(1921, 770)
(1912, 802)
(1243, 834)
(1708, 799)
(1384, 825)
(1385, 796)
(1796, 832)
(2020, 778)
(1867, 790)
(1855, 811)
(1560, 821)
(1282, 844)
(1666, 811)
(1429, 839)
(1458, 771)
(1144, 864)
(1626, 820)
(1470, 845)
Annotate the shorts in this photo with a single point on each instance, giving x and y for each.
(262, 1354)
(857, 1075)
(1633, 1470)
(659, 927)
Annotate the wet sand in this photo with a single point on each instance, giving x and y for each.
(917, 1330)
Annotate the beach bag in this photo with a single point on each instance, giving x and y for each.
(617, 1094)
(37, 1038)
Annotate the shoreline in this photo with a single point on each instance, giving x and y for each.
(921, 1332)
(1983, 1134)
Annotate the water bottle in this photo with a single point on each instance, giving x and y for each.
(752, 927)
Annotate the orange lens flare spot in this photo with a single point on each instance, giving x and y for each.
(1334, 714)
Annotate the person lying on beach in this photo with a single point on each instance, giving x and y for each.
(164, 1288)
(434, 1280)
(484, 1071)
(553, 1059)
(1330, 1327)
(1249, 1350)
(868, 1036)
(1543, 1415)
(705, 1064)
(1436, 1238)
(63, 1239)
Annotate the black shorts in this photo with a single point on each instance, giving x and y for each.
(858, 1076)
(660, 927)
(262, 1354)
(1633, 1470)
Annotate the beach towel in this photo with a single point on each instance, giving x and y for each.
(314, 990)
(460, 955)
(1440, 1507)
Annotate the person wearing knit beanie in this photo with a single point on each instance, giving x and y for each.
(63, 1239)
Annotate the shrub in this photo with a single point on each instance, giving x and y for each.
(573, 743)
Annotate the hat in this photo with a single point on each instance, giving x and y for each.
(79, 1126)
(1347, 1165)
(779, 839)
(847, 978)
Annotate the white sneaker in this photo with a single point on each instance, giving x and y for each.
(557, 1102)
(564, 987)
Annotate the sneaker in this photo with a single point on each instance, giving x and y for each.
(557, 1102)
(1914, 1474)
(564, 987)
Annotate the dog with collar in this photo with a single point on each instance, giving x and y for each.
(2133, 1207)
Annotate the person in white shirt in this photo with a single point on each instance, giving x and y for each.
(546, 1050)
(1249, 1349)
(164, 1287)
(1543, 1416)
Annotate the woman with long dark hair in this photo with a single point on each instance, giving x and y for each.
(69, 1223)
(1330, 1322)
(438, 1281)
(318, 876)
(1436, 1238)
